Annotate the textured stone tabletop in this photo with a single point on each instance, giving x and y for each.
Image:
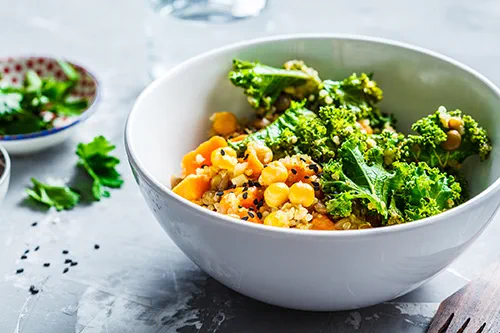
(138, 280)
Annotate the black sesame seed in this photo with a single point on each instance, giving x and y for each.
(203, 166)
(245, 157)
(294, 171)
(19, 270)
(257, 184)
(251, 208)
(222, 152)
(96, 246)
(26, 251)
(24, 257)
(259, 215)
(34, 290)
(245, 189)
(302, 159)
(245, 218)
(265, 166)
(306, 177)
(74, 263)
(240, 206)
(34, 224)
(220, 193)
(37, 248)
(255, 201)
(313, 167)
(251, 214)
(65, 252)
(65, 270)
(245, 195)
(315, 183)
(47, 264)
(251, 183)
(68, 261)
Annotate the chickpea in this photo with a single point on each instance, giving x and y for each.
(224, 123)
(276, 194)
(275, 172)
(282, 103)
(301, 193)
(455, 123)
(224, 158)
(453, 141)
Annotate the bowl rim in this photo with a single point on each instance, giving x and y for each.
(6, 172)
(89, 111)
(229, 221)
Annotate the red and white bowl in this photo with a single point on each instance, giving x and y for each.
(13, 71)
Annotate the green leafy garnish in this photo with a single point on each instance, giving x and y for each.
(10, 103)
(22, 108)
(60, 197)
(95, 159)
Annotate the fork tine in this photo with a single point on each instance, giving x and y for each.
(461, 330)
(446, 324)
(481, 328)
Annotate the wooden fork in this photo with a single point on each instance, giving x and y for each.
(475, 308)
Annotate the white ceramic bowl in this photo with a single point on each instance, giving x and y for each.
(13, 71)
(312, 270)
(4, 173)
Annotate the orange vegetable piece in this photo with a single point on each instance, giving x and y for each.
(252, 194)
(322, 222)
(254, 163)
(189, 163)
(193, 186)
(248, 218)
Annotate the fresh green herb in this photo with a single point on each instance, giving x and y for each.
(22, 108)
(95, 159)
(60, 197)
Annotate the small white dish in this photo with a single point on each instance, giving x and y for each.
(4, 173)
(13, 71)
(308, 269)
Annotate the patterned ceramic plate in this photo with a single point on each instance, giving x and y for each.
(13, 71)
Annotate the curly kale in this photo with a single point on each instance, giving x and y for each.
(280, 135)
(446, 138)
(408, 192)
(391, 144)
(264, 84)
(359, 94)
(320, 137)
(353, 178)
(422, 191)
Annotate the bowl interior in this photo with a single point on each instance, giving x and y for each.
(171, 116)
(13, 71)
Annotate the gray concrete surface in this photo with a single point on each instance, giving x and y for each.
(138, 281)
